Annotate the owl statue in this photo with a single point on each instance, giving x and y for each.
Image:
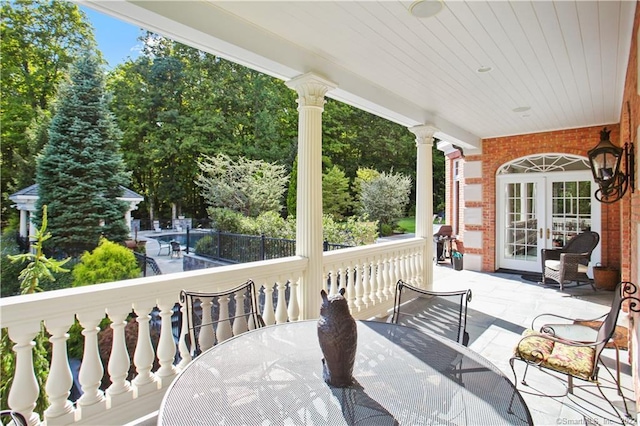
(338, 339)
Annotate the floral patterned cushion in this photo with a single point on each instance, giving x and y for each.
(576, 361)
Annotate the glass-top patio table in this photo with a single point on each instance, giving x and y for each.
(404, 376)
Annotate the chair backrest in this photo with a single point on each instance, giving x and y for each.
(175, 246)
(584, 242)
(213, 317)
(17, 418)
(624, 291)
(443, 313)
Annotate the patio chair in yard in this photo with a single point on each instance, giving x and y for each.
(176, 249)
(213, 317)
(570, 263)
(571, 348)
(443, 313)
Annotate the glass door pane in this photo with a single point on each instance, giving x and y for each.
(570, 210)
(521, 222)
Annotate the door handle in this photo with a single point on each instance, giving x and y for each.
(541, 233)
(548, 233)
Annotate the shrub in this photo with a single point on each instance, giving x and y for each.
(106, 263)
(225, 220)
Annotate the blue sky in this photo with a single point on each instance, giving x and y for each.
(117, 40)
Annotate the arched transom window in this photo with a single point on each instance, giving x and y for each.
(544, 163)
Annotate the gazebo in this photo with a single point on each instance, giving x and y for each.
(25, 202)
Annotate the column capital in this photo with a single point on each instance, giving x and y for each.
(424, 133)
(311, 89)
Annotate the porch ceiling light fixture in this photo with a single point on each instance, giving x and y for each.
(425, 8)
(605, 160)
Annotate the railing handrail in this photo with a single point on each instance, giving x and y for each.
(57, 303)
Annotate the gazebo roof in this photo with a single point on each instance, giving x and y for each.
(29, 195)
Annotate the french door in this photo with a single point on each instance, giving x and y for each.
(542, 210)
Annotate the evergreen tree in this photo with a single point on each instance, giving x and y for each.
(81, 170)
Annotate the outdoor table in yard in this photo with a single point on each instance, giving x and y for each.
(405, 376)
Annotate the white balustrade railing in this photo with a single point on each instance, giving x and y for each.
(368, 273)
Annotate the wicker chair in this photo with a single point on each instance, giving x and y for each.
(553, 347)
(570, 263)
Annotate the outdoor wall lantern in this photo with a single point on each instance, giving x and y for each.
(605, 160)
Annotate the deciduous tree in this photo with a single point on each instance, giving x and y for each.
(250, 187)
(385, 197)
(39, 41)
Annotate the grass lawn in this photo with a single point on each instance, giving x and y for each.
(408, 224)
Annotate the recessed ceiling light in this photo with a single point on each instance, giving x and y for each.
(484, 69)
(425, 8)
(521, 109)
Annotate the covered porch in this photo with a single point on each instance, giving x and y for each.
(453, 78)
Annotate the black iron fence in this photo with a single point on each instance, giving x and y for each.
(239, 248)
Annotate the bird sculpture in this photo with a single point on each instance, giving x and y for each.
(338, 339)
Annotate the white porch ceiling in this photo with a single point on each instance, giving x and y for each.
(566, 60)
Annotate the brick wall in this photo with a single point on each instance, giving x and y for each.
(570, 141)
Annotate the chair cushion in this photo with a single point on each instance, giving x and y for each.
(555, 265)
(576, 361)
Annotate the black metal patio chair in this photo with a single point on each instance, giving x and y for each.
(443, 313)
(213, 317)
(570, 350)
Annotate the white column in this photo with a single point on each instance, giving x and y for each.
(311, 90)
(424, 197)
(24, 221)
(32, 227)
(127, 219)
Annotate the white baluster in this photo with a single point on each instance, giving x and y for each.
(120, 389)
(281, 307)
(223, 331)
(366, 283)
(92, 400)
(420, 259)
(268, 315)
(166, 345)
(402, 266)
(24, 389)
(356, 278)
(385, 277)
(253, 325)
(294, 306)
(394, 262)
(240, 324)
(60, 410)
(145, 381)
(207, 333)
(376, 278)
(349, 285)
(333, 290)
